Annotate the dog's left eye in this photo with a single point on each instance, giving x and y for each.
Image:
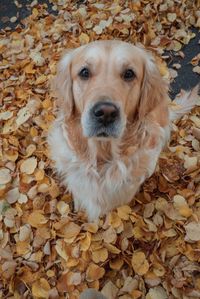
(84, 73)
(128, 75)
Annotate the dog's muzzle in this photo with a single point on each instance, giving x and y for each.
(103, 120)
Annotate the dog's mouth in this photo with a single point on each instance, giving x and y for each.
(103, 134)
(91, 129)
(111, 131)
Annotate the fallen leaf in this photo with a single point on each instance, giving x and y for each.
(5, 176)
(196, 69)
(193, 231)
(139, 263)
(22, 116)
(28, 166)
(157, 293)
(37, 219)
(110, 290)
(94, 272)
(41, 288)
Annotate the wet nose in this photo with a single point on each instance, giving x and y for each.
(105, 112)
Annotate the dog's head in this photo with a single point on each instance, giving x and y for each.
(108, 84)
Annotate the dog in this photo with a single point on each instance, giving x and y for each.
(112, 123)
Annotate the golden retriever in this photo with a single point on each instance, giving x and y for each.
(113, 121)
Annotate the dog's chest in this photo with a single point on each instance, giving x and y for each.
(111, 185)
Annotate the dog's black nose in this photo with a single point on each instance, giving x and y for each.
(105, 112)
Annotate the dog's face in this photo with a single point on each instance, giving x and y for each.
(106, 84)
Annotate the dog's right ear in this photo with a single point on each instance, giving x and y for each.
(62, 84)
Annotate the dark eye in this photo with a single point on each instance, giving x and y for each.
(84, 73)
(128, 75)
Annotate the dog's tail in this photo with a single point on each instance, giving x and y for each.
(184, 103)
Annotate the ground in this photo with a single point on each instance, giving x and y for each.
(149, 249)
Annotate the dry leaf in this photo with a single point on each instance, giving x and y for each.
(139, 263)
(5, 176)
(100, 255)
(123, 212)
(28, 166)
(110, 290)
(13, 195)
(22, 116)
(94, 272)
(41, 288)
(157, 293)
(193, 231)
(37, 219)
(196, 69)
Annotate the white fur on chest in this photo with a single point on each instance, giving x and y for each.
(93, 191)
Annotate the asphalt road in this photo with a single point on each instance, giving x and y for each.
(186, 78)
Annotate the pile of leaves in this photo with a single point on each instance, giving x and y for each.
(149, 249)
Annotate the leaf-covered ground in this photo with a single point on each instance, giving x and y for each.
(150, 249)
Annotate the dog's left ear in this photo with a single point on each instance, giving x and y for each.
(62, 84)
(154, 90)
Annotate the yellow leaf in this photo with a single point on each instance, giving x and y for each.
(100, 255)
(114, 220)
(29, 68)
(83, 38)
(112, 248)
(110, 235)
(85, 243)
(41, 79)
(90, 227)
(61, 249)
(69, 230)
(23, 247)
(31, 148)
(33, 132)
(123, 212)
(47, 103)
(41, 288)
(63, 208)
(181, 206)
(71, 262)
(37, 219)
(39, 174)
(35, 12)
(185, 211)
(11, 155)
(139, 263)
(94, 272)
(158, 269)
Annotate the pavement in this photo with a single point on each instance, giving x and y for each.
(186, 78)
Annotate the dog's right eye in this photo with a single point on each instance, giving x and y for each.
(84, 73)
